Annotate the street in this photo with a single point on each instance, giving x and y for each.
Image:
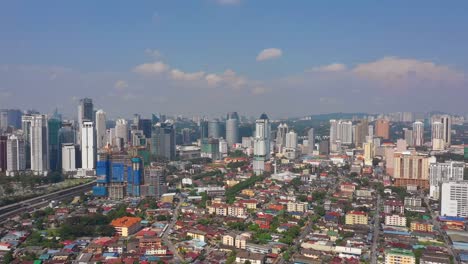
(375, 237)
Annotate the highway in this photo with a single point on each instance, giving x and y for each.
(6, 212)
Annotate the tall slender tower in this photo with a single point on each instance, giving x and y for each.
(85, 113)
(333, 135)
(88, 146)
(232, 129)
(446, 121)
(121, 129)
(311, 139)
(39, 145)
(418, 133)
(261, 144)
(100, 128)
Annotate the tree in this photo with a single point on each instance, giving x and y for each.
(8, 258)
(247, 262)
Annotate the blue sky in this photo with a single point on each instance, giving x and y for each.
(87, 48)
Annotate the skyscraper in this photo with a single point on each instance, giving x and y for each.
(418, 133)
(261, 144)
(16, 160)
(53, 128)
(3, 153)
(411, 169)
(39, 145)
(214, 129)
(163, 141)
(26, 121)
(345, 132)
(88, 146)
(186, 136)
(85, 113)
(333, 135)
(446, 121)
(311, 139)
(437, 136)
(291, 140)
(408, 133)
(382, 128)
(361, 132)
(100, 128)
(454, 199)
(3, 120)
(203, 129)
(444, 172)
(232, 129)
(69, 154)
(121, 130)
(281, 132)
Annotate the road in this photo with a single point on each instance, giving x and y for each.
(436, 224)
(375, 237)
(170, 227)
(29, 205)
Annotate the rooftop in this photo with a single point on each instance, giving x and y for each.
(125, 221)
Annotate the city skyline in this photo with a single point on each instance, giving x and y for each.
(242, 55)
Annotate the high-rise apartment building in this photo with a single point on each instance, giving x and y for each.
(100, 129)
(441, 172)
(333, 135)
(69, 157)
(345, 132)
(418, 133)
(39, 145)
(26, 121)
(446, 121)
(232, 129)
(88, 146)
(437, 136)
(361, 131)
(382, 128)
(368, 153)
(454, 199)
(16, 160)
(311, 139)
(261, 144)
(3, 153)
(408, 134)
(411, 169)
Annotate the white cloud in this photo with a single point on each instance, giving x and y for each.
(152, 68)
(179, 75)
(394, 69)
(154, 53)
(268, 54)
(259, 90)
(334, 67)
(228, 2)
(213, 79)
(121, 85)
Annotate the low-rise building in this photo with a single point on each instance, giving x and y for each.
(356, 218)
(126, 226)
(416, 226)
(399, 256)
(395, 220)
